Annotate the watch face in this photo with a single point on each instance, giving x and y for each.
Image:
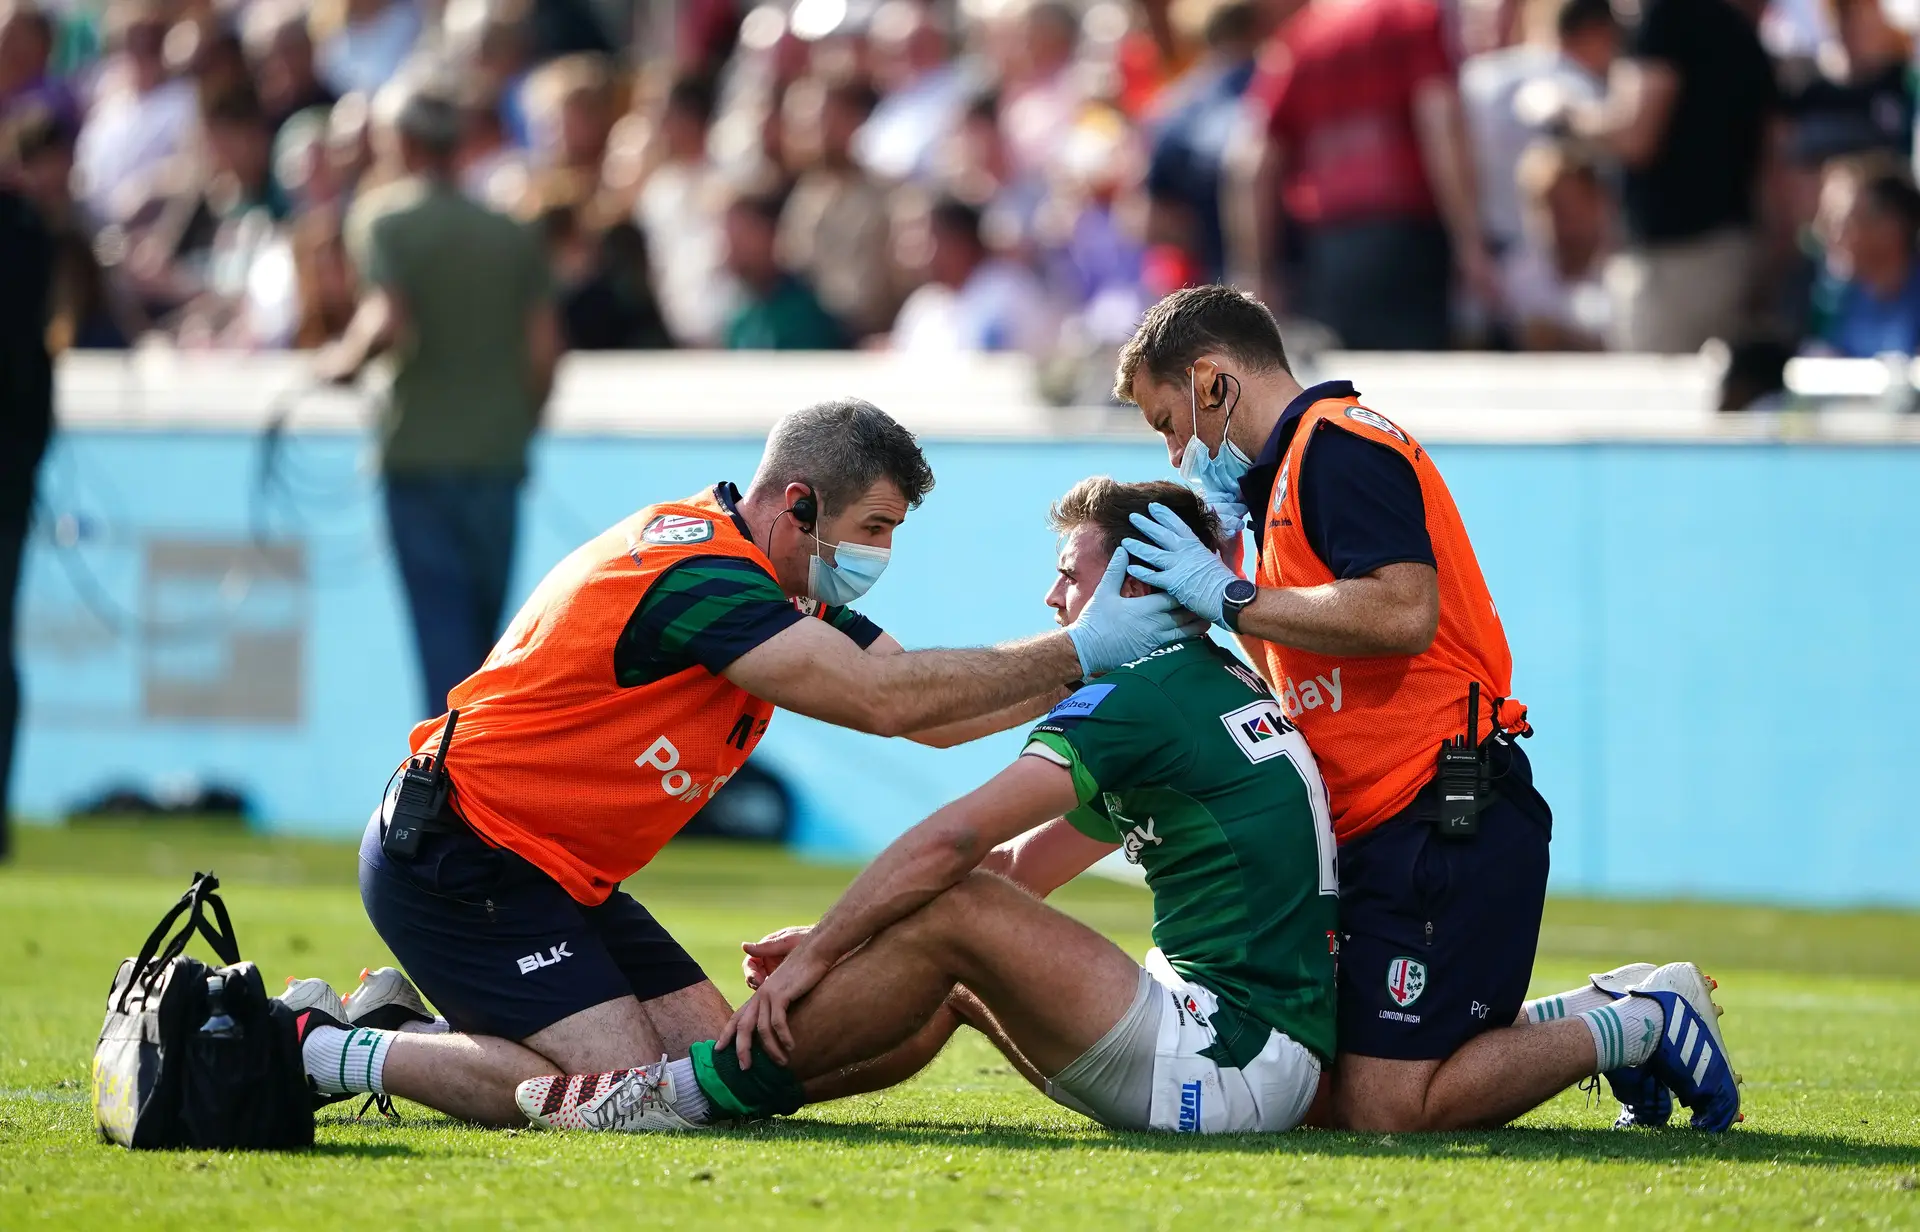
(1241, 591)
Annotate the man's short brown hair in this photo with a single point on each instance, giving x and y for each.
(1108, 504)
(1200, 321)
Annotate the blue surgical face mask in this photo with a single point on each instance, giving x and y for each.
(855, 568)
(1215, 476)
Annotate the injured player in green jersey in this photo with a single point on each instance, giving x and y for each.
(1185, 763)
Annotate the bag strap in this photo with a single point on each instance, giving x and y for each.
(223, 942)
(149, 950)
(154, 956)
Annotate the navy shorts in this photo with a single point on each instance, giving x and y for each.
(1437, 935)
(499, 948)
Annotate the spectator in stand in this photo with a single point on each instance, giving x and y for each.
(492, 170)
(86, 310)
(606, 293)
(1041, 101)
(494, 42)
(26, 50)
(921, 91)
(834, 228)
(779, 310)
(1496, 88)
(1552, 276)
(1090, 248)
(970, 300)
(467, 291)
(1189, 128)
(1868, 304)
(1693, 114)
(1863, 97)
(205, 50)
(363, 43)
(26, 421)
(973, 164)
(570, 107)
(141, 118)
(679, 208)
(280, 52)
(1365, 149)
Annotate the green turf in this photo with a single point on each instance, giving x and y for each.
(1822, 1014)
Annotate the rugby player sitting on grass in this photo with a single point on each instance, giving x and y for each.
(635, 680)
(1181, 758)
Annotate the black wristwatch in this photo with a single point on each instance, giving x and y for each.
(1239, 594)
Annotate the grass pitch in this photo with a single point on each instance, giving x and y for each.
(1823, 1016)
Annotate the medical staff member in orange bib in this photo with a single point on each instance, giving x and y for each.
(634, 681)
(1367, 612)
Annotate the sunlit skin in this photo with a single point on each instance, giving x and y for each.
(1084, 553)
(869, 520)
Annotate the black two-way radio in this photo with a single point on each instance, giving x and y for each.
(1462, 777)
(422, 796)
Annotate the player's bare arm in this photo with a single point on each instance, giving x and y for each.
(930, 858)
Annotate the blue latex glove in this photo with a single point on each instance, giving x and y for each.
(1113, 630)
(1174, 560)
(1232, 514)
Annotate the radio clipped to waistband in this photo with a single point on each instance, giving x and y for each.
(422, 795)
(1464, 783)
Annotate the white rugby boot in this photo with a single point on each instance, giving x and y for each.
(385, 1000)
(628, 1100)
(1691, 1057)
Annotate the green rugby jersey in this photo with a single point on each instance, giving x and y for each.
(1185, 759)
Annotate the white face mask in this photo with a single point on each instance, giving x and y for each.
(855, 568)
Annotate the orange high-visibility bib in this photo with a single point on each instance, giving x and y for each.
(1376, 724)
(556, 762)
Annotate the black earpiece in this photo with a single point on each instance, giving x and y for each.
(806, 511)
(1218, 390)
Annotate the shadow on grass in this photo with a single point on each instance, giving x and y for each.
(1555, 1145)
(361, 1150)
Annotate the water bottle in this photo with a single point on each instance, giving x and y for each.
(219, 1024)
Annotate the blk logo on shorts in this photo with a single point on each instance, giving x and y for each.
(1406, 980)
(533, 962)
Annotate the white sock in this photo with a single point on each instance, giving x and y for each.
(688, 1099)
(340, 1061)
(1624, 1032)
(1565, 1004)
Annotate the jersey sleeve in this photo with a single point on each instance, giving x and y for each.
(1360, 505)
(706, 612)
(1112, 736)
(861, 631)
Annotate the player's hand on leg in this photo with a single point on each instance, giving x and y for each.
(765, 955)
(764, 1016)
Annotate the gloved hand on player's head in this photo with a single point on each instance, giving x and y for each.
(1114, 629)
(1233, 530)
(1175, 561)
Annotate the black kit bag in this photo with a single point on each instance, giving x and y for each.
(160, 1081)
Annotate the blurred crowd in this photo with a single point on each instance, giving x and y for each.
(996, 174)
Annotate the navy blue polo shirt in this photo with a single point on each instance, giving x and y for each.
(1360, 501)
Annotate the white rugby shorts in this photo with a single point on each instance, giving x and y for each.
(1147, 1072)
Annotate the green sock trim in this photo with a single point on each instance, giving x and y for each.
(710, 1083)
(766, 1089)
